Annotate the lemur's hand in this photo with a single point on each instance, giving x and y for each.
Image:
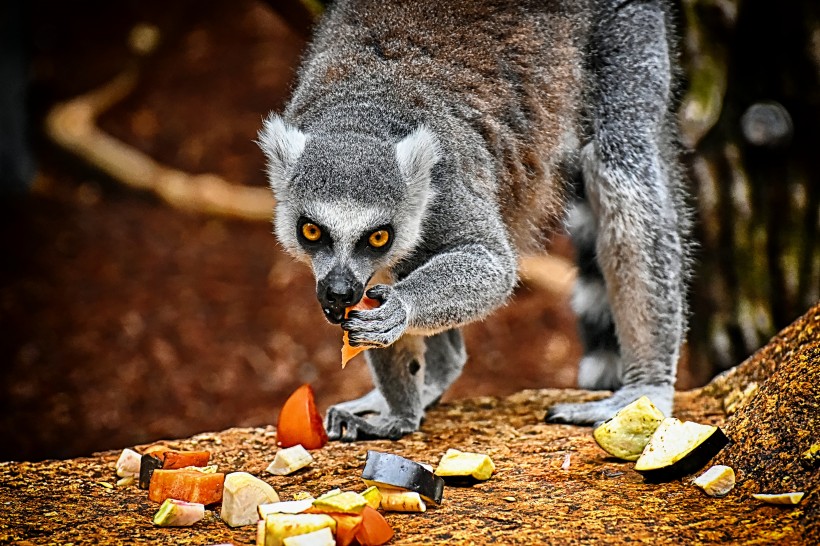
(381, 326)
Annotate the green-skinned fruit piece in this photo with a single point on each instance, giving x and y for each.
(677, 449)
(343, 503)
(626, 434)
(386, 470)
(177, 513)
(278, 527)
(459, 464)
(373, 497)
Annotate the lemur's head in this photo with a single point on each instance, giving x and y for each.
(347, 204)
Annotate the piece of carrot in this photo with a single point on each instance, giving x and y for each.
(374, 530)
(349, 352)
(300, 422)
(172, 459)
(186, 485)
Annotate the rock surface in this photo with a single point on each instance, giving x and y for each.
(530, 499)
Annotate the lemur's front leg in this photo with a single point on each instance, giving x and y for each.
(411, 372)
(637, 227)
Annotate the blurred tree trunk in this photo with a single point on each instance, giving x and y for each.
(751, 116)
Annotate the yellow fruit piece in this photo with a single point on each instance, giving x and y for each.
(463, 464)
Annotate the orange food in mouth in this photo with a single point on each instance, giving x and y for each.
(349, 352)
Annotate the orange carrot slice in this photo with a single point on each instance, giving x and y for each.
(186, 485)
(346, 527)
(300, 422)
(349, 352)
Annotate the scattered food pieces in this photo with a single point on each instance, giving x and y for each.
(626, 434)
(187, 485)
(812, 455)
(302, 495)
(717, 481)
(125, 482)
(567, 461)
(461, 464)
(275, 528)
(300, 422)
(389, 471)
(177, 513)
(289, 460)
(322, 537)
(395, 500)
(780, 498)
(241, 495)
(349, 352)
(128, 465)
(677, 449)
(509, 499)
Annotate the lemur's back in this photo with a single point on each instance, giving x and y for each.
(501, 81)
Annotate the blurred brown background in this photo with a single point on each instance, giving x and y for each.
(124, 320)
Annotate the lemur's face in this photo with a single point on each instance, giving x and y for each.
(348, 206)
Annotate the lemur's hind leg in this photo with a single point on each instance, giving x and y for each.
(410, 376)
(634, 194)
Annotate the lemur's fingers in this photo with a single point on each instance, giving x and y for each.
(381, 326)
(346, 427)
(374, 339)
(591, 413)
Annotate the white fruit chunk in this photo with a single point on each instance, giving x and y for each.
(241, 495)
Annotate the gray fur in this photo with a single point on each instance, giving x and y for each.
(456, 124)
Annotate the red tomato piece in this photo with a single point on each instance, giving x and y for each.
(375, 530)
(300, 422)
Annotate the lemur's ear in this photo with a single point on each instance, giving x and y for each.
(282, 144)
(417, 154)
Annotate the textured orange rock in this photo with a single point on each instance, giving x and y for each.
(529, 500)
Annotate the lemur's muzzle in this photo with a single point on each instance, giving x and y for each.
(337, 291)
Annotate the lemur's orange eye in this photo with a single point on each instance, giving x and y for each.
(378, 238)
(311, 232)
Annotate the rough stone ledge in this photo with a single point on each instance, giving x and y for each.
(597, 500)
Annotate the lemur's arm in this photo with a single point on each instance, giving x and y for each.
(451, 288)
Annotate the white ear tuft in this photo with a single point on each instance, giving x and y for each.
(417, 154)
(282, 144)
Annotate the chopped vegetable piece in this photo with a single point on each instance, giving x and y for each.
(402, 501)
(148, 464)
(302, 495)
(346, 527)
(284, 507)
(567, 461)
(210, 469)
(128, 465)
(374, 530)
(330, 493)
(373, 496)
(322, 537)
(342, 503)
(241, 495)
(460, 464)
(717, 481)
(187, 485)
(348, 352)
(169, 459)
(678, 448)
(289, 460)
(300, 422)
(260, 532)
(386, 470)
(177, 513)
(626, 434)
(280, 526)
(780, 498)
(125, 482)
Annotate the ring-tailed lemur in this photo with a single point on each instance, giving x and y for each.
(431, 142)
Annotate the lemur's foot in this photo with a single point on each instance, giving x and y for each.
(592, 413)
(347, 427)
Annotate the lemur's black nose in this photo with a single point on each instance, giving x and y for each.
(340, 295)
(338, 290)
